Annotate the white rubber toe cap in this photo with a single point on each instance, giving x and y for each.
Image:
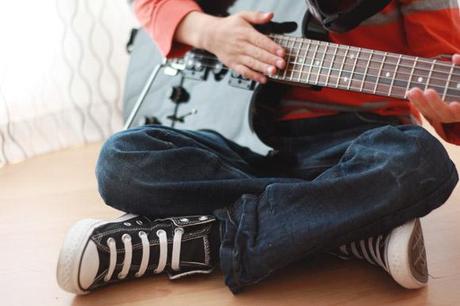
(89, 265)
(77, 265)
(406, 251)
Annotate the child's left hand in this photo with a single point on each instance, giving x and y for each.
(430, 104)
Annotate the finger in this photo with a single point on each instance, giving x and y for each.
(256, 17)
(265, 43)
(264, 56)
(455, 108)
(439, 106)
(250, 74)
(257, 65)
(416, 96)
(456, 59)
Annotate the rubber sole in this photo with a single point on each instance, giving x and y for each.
(406, 256)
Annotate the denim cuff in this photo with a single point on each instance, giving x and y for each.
(229, 255)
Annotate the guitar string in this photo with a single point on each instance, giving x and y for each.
(414, 74)
(451, 67)
(389, 91)
(368, 51)
(315, 74)
(396, 73)
(362, 51)
(365, 90)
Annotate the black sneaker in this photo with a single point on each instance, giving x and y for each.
(401, 253)
(97, 253)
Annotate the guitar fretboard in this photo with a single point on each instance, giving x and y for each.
(363, 70)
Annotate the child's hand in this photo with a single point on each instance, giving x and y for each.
(235, 42)
(430, 104)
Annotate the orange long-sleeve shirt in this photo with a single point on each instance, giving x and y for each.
(422, 28)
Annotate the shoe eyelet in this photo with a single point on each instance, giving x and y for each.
(203, 218)
(127, 223)
(110, 240)
(142, 233)
(139, 222)
(160, 231)
(185, 220)
(126, 237)
(179, 229)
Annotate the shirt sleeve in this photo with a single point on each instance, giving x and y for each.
(160, 19)
(432, 28)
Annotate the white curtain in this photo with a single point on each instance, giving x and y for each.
(62, 67)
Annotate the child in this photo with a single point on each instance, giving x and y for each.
(355, 181)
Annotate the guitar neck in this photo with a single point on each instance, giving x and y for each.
(363, 70)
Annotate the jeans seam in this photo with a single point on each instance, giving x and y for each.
(222, 163)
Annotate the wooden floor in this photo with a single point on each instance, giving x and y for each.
(42, 197)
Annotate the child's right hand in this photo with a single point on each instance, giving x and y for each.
(235, 42)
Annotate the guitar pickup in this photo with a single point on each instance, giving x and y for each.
(195, 70)
(196, 64)
(237, 80)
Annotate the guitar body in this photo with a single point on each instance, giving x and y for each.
(219, 106)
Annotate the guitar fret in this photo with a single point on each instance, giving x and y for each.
(277, 40)
(321, 64)
(304, 58)
(411, 75)
(334, 55)
(371, 53)
(296, 57)
(347, 49)
(354, 68)
(429, 75)
(380, 73)
(448, 83)
(288, 59)
(395, 73)
(310, 69)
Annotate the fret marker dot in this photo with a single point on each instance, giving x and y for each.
(420, 80)
(352, 56)
(345, 79)
(317, 63)
(388, 74)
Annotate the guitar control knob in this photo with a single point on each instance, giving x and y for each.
(178, 94)
(151, 120)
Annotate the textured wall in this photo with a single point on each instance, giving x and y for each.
(62, 65)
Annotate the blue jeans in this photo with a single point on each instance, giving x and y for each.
(330, 181)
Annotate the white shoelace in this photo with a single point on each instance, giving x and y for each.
(163, 257)
(370, 251)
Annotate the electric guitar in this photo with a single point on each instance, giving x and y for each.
(310, 62)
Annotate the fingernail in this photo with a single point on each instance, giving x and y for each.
(280, 64)
(280, 52)
(271, 70)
